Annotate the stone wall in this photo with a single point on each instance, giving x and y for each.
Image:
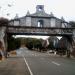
(28, 21)
(2, 35)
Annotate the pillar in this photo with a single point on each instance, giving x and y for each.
(3, 40)
(69, 46)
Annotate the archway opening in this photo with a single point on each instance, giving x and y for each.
(40, 23)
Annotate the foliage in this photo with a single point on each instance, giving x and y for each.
(72, 23)
(50, 46)
(13, 43)
(30, 43)
(51, 41)
(3, 21)
(33, 43)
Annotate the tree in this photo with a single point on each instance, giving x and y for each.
(72, 23)
(13, 43)
(4, 21)
(29, 43)
(51, 42)
(37, 44)
(33, 43)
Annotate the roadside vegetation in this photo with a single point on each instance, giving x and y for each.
(30, 43)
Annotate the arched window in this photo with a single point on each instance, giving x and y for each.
(40, 23)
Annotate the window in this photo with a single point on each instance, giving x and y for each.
(40, 23)
(16, 22)
(40, 8)
(52, 22)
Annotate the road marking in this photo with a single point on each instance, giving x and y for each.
(28, 66)
(55, 63)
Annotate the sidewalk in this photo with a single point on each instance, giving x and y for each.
(13, 65)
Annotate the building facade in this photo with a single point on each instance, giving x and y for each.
(39, 19)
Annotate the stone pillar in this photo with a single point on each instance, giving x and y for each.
(73, 36)
(2, 36)
(73, 43)
(69, 48)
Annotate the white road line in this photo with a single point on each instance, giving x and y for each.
(55, 63)
(28, 66)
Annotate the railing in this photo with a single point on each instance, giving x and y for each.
(40, 30)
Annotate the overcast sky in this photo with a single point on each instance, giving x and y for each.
(65, 8)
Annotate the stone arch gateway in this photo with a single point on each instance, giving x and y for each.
(28, 25)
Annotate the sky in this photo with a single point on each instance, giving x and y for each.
(65, 8)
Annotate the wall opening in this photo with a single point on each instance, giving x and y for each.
(40, 8)
(40, 23)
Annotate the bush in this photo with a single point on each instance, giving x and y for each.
(13, 43)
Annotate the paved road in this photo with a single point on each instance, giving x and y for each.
(14, 65)
(45, 64)
(35, 63)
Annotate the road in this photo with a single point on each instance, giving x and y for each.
(35, 63)
(13, 65)
(46, 64)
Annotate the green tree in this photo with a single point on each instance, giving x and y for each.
(4, 21)
(29, 43)
(33, 43)
(72, 23)
(13, 43)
